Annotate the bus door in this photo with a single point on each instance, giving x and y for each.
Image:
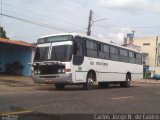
(78, 57)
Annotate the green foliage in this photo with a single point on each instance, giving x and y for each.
(148, 75)
(3, 33)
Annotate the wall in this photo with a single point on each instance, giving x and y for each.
(150, 49)
(11, 53)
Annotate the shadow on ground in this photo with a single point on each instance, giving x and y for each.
(79, 88)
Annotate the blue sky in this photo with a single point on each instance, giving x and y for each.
(72, 16)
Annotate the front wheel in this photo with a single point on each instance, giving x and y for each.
(89, 83)
(59, 86)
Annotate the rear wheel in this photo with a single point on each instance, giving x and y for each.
(59, 86)
(127, 82)
(103, 85)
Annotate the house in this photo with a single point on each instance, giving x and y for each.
(15, 56)
(150, 47)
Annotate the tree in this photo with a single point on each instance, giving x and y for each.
(3, 33)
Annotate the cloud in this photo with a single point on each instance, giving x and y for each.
(103, 38)
(131, 5)
(116, 35)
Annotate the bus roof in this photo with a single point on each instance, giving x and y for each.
(90, 37)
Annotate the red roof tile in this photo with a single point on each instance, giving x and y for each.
(16, 42)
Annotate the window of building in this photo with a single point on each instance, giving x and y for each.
(158, 62)
(146, 44)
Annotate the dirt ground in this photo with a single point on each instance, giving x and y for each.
(9, 83)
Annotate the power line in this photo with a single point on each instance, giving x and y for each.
(41, 21)
(139, 27)
(44, 5)
(8, 5)
(100, 19)
(35, 23)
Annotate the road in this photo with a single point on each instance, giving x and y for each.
(139, 98)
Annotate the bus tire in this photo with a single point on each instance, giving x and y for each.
(127, 82)
(103, 85)
(89, 83)
(59, 86)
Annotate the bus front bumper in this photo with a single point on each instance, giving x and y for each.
(53, 78)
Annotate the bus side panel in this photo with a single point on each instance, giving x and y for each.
(106, 70)
(78, 74)
(111, 71)
(109, 77)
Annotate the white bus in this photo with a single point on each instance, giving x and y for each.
(73, 58)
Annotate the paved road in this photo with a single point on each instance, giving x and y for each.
(140, 98)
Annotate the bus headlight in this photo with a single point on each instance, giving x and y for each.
(38, 72)
(59, 71)
(63, 70)
(35, 71)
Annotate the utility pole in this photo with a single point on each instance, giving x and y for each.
(1, 20)
(1, 14)
(90, 23)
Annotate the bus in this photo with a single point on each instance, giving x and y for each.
(77, 59)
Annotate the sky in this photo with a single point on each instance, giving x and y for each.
(61, 16)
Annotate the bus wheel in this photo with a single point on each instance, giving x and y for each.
(59, 86)
(103, 84)
(89, 84)
(127, 82)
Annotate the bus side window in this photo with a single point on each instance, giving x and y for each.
(138, 58)
(91, 48)
(124, 55)
(78, 50)
(101, 51)
(106, 52)
(132, 57)
(75, 49)
(114, 53)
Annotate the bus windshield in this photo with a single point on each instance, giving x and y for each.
(55, 53)
(41, 53)
(61, 53)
